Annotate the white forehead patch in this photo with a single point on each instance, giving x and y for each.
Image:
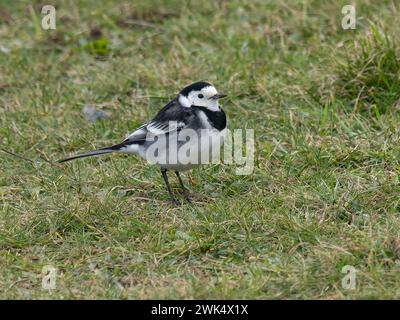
(209, 91)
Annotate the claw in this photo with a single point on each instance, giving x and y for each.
(175, 202)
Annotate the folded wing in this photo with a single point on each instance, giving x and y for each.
(173, 117)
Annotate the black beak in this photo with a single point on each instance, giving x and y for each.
(218, 96)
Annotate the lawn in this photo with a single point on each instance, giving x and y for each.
(324, 193)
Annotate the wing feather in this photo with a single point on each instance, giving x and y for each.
(173, 117)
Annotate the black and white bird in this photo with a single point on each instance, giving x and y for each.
(186, 132)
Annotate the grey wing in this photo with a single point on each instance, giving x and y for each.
(139, 134)
(173, 117)
(154, 128)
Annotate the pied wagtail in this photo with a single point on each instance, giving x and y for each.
(195, 109)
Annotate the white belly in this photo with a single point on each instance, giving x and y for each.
(182, 155)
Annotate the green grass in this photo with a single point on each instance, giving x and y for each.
(324, 193)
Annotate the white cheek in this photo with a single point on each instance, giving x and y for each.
(184, 101)
(197, 101)
(200, 102)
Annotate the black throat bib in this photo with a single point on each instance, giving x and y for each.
(216, 118)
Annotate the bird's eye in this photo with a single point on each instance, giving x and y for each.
(200, 96)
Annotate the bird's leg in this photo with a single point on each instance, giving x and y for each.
(164, 174)
(185, 193)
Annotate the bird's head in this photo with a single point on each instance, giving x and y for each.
(201, 94)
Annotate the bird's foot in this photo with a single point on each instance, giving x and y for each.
(187, 198)
(175, 202)
(185, 194)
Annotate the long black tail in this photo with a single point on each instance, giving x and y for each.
(88, 154)
(115, 148)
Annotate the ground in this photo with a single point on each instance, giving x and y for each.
(324, 193)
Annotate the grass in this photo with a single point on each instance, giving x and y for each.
(324, 192)
(366, 77)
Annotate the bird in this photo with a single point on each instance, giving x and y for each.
(195, 113)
